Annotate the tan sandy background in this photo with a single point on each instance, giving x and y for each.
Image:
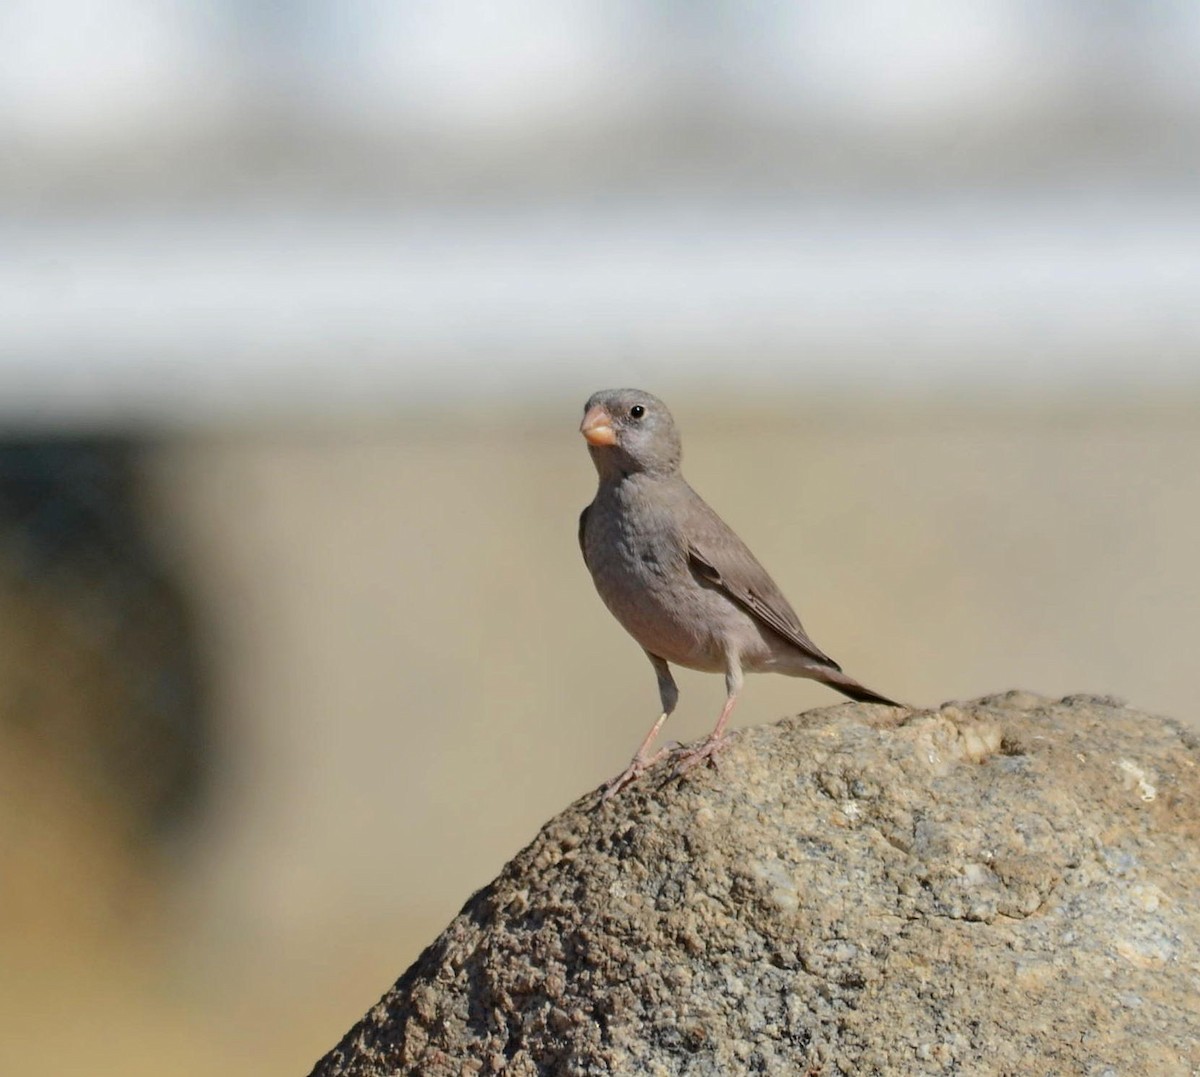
(410, 672)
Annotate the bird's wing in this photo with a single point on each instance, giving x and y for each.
(582, 529)
(720, 558)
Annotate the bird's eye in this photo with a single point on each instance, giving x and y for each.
(637, 411)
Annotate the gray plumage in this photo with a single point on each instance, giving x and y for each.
(676, 576)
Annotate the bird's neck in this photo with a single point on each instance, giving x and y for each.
(614, 465)
(633, 485)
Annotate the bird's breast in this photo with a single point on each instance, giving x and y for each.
(641, 572)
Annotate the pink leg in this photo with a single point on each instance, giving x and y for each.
(718, 738)
(638, 763)
(669, 695)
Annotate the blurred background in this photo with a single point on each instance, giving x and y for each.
(298, 308)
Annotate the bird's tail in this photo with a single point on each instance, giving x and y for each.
(848, 686)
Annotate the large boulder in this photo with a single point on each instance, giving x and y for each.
(1006, 886)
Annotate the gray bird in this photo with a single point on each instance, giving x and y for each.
(677, 578)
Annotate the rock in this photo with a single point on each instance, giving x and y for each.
(999, 887)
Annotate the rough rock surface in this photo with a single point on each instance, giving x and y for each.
(1008, 886)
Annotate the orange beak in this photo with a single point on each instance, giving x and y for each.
(597, 427)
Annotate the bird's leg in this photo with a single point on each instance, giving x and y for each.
(669, 694)
(718, 738)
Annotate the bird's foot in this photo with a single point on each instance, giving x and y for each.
(705, 753)
(637, 765)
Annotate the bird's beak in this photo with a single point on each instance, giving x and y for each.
(597, 427)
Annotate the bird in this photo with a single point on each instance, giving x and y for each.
(677, 577)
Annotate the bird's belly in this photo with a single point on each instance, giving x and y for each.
(681, 624)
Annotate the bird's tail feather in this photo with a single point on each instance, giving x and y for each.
(848, 686)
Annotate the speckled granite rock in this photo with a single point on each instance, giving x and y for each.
(1009, 886)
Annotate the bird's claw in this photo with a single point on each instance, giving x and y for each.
(705, 753)
(637, 766)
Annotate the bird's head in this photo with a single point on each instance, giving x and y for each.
(628, 431)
